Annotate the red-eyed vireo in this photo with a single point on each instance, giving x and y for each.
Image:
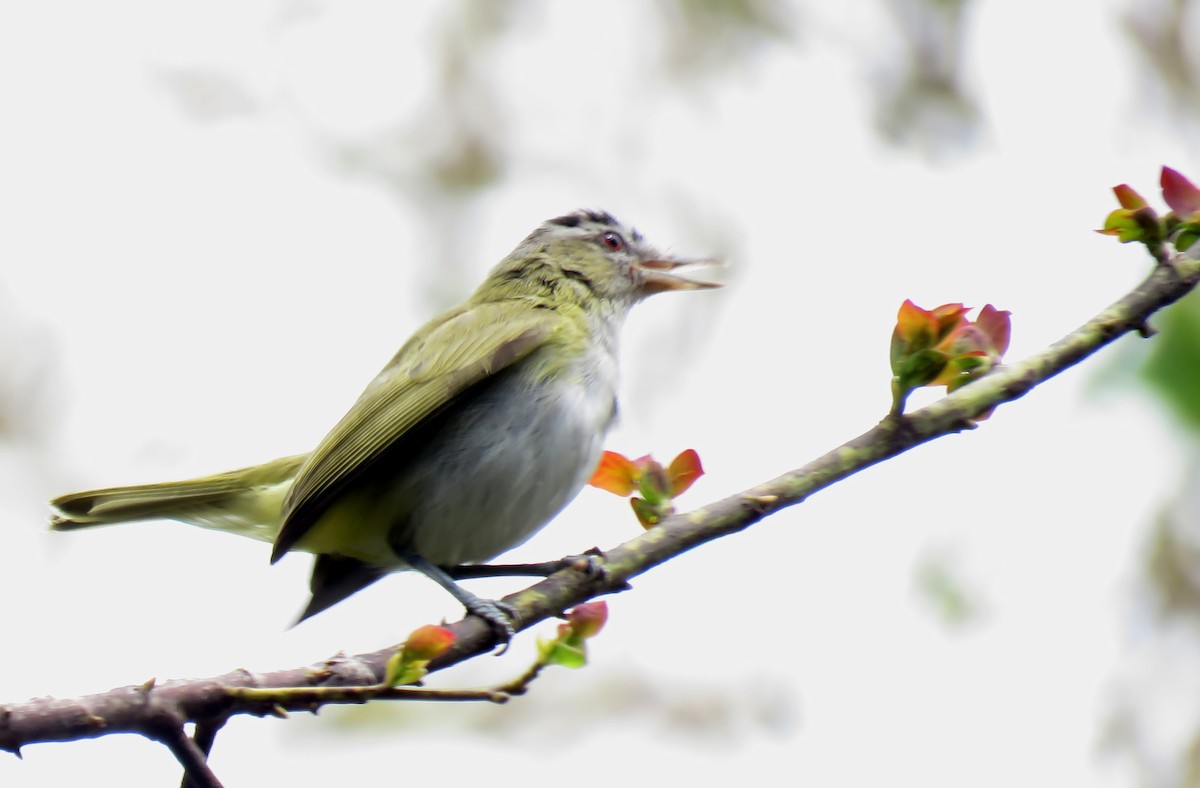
(485, 425)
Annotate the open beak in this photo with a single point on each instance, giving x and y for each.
(659, 275)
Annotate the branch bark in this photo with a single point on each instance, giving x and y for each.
(209, 702)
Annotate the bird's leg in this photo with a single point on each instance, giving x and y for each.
(498, 615)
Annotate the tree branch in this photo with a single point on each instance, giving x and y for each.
(203, 738)
(209, 702)
(196, 772)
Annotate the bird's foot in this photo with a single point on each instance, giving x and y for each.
(498, 615)
(590, 563)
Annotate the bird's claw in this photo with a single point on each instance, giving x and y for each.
(499, 617)
(590, 563)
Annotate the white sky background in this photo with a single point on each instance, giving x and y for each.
(208, 293)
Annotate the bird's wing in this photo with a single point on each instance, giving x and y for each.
(472, 344)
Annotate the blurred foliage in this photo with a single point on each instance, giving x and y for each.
(452, 148)
(1173, 566)
(454, 144)
(1161, 752)
(466, 119)
(701, 37)
(1159, 31)
(941, 584)
(207, 96)
(922, 100)
(28, 377)
(666, 707)
(1172, 368)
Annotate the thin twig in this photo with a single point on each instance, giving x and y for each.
(196, 770)
(292, 698)
(204, 737)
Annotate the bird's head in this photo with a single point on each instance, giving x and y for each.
(591, 254)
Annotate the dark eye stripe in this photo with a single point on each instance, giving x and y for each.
(581, 277)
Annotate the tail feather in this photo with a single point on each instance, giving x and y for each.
(334, 578)
(245, 501)
(127, 504)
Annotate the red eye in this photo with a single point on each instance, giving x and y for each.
(613, 242)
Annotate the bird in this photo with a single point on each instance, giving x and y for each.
(484, 425)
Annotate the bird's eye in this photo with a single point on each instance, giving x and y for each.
(613, 242)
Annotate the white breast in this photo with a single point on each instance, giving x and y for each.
(505, 467)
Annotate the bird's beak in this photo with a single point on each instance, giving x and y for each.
(659, 275)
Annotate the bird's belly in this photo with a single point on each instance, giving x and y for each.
(499, 476)
(490, 477)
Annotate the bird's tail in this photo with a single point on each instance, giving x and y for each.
(246, 501)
